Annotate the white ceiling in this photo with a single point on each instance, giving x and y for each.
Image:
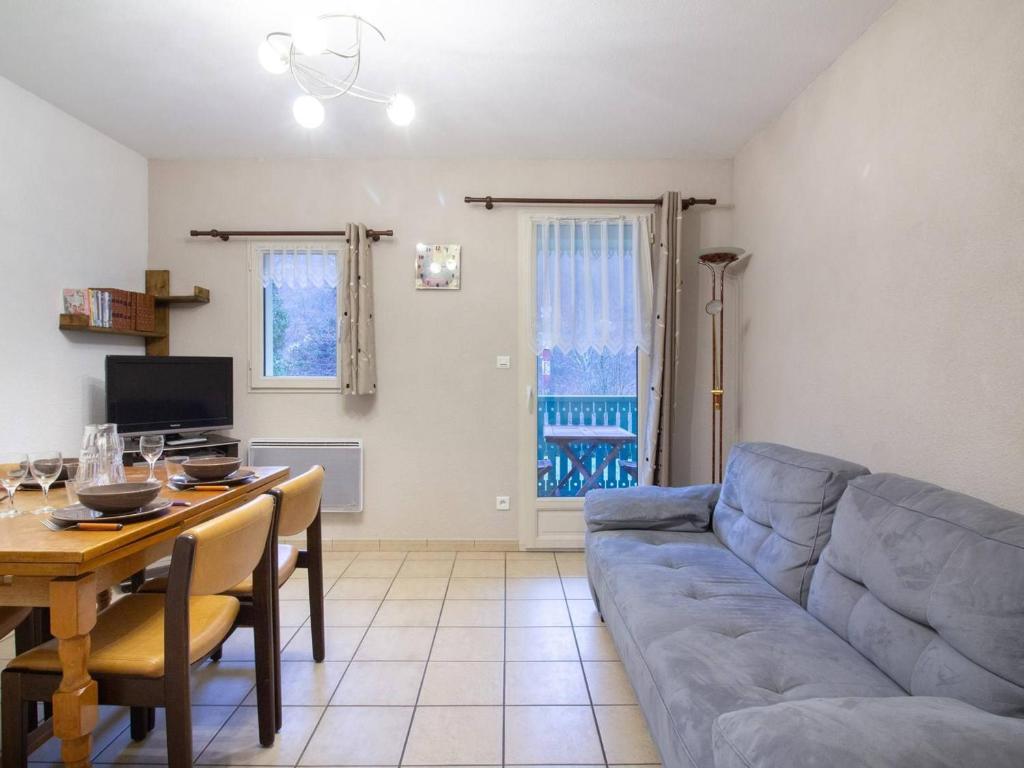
(512, 78)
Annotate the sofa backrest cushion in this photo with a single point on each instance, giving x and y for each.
(929, 585)
(775, 511)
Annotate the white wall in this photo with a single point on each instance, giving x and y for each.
(72, 215)
(883, 308)
(440, 433)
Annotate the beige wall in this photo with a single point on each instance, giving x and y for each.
(440, 434)
(72, 215)
(883, 307)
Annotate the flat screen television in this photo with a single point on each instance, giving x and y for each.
(168, 394)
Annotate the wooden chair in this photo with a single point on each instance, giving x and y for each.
(144, 645)
(297, 507)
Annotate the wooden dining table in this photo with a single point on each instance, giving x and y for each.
(66, 571)
(565, 436)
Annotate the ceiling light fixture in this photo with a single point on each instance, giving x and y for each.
(307, 54)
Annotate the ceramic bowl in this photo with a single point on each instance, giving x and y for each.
(211, 467)
(119, 497)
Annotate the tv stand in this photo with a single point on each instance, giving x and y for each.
(176, 440)
(205, 445)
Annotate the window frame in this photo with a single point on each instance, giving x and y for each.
(258, 380)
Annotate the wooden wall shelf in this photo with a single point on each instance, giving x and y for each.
(158, 341)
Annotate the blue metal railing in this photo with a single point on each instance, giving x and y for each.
(590, 410)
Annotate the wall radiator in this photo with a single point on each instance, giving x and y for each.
(343, 460)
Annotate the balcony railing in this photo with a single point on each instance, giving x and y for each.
(589, 410)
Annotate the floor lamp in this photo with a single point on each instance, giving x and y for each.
(717, 261)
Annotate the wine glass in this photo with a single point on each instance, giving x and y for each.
(13, 469)
(151, 446)
(45, 467)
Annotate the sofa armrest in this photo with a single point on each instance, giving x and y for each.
(897, 732)
(651, 508)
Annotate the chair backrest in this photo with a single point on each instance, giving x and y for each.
(775, 510)
(928, 584)
(299, 501)
(229, 547)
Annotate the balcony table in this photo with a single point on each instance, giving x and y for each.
(66, 570)
(564, 436)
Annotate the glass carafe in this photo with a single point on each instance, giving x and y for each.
(101, 461)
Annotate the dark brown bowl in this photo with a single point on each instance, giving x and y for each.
(211, 467)
(119, 497)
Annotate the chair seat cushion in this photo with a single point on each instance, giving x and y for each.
(128, 639)
(702, 633)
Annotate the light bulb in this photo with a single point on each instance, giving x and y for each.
(308, 111)
(401, 110)
(272, 59)
(713, 307)
(310, 36)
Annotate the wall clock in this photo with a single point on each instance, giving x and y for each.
(438, 267)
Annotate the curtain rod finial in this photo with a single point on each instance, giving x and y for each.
(488, 203)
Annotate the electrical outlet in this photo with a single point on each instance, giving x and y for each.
(502, 502)
(504, 361)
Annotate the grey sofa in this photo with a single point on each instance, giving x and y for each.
(808, 613)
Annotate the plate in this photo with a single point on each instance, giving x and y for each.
(238, 477)
(78, 513)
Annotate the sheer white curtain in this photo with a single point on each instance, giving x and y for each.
(316, 265)
(594, 284)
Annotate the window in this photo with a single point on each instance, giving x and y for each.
(294, 315)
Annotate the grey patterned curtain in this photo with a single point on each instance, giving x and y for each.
(668, 293)
(358, 346)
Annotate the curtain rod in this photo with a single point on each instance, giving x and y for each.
(489, 201)
(223, 234)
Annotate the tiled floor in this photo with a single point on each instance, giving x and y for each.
(433, 659)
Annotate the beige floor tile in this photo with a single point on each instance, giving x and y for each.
(535, 556)
(530, 568)
(239, 647)
(536, 613)
(454, 736)
(584, 613)
(468, 644)
(339, 644)
(545, 682)
(608, 682)
(295, 589)
(332, 568)
(625, 736)
(373, 568)
(551, 735)
(418, 589)
(206, 722)
(429, 555)
(109, 727)
(294, 612)
(383, 554)
(426, 568)
(359, 589)
(479, 568)
(349, 613)
(596, 644)
(576, 588)
(359, 736)
(479, 555)
(238, 742)
(534, 589)
(473, 613)
(380, 683)
(408, 613)
(476, 589)
(305, 683)
(540, 644)
(395, 644)
(222, 683)
(462, 683)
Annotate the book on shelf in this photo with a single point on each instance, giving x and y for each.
(76, 302)
(113, 308)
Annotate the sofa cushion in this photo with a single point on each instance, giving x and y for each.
(701, 633)
(929, 585)
(775, 510)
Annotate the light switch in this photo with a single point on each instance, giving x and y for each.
(504, 361)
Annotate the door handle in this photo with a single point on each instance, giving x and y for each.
(529, 398)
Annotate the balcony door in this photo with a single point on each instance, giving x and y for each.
(585, 308)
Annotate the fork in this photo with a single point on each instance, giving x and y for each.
(53, 525)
